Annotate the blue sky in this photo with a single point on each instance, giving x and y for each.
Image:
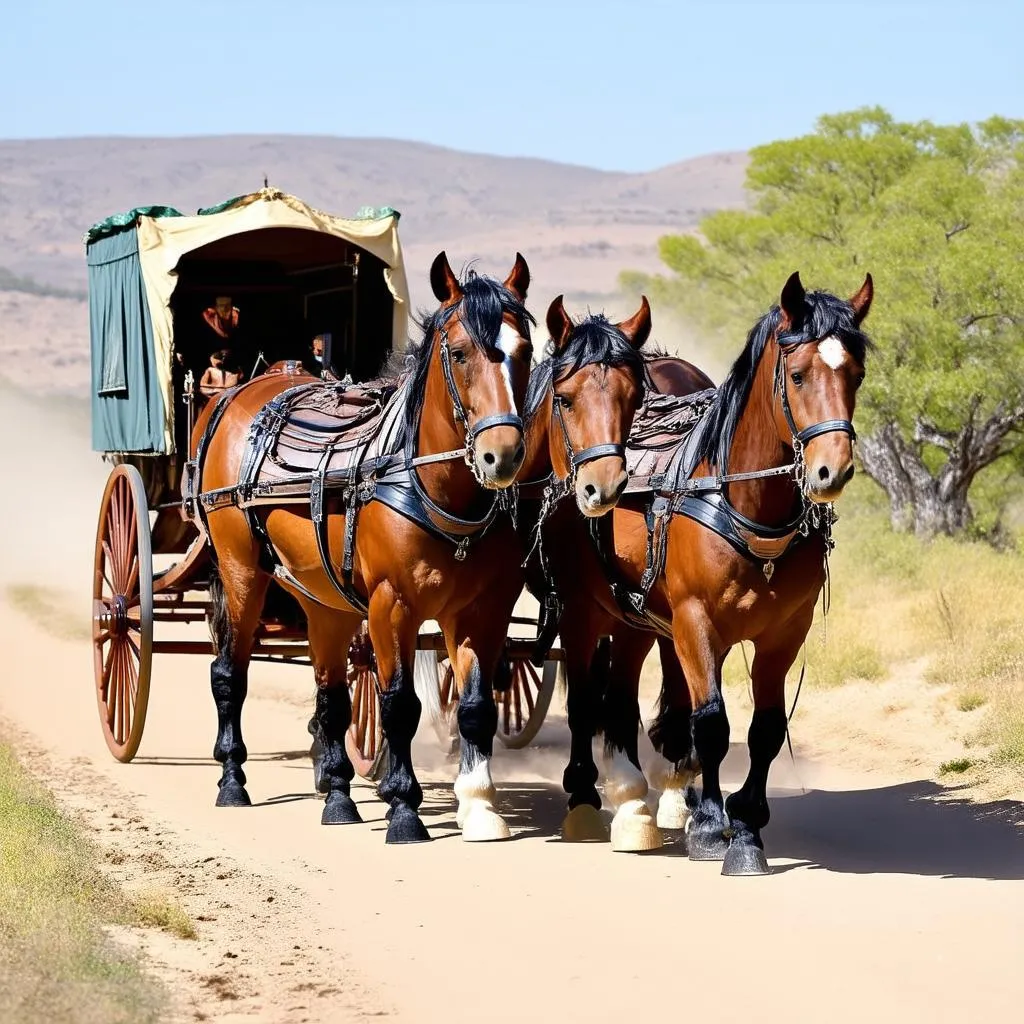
(628, 86)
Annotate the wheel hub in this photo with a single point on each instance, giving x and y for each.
(115, 618)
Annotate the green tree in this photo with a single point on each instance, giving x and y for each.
(936, 214)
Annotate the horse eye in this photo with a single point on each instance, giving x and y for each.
(797, 378)
(860, 379)
(458, 355)
(564, 402)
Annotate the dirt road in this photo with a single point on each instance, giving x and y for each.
(884, 904)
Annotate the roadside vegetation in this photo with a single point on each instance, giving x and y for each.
(58, 962)
(928, 575)
(898, 601)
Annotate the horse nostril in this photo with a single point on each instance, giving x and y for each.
(489, 458)
(823, 473)
(590, 490)
(848, 473)
(520, 452)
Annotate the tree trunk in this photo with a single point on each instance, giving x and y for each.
(932, 503)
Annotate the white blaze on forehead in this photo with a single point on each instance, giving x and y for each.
(508, 343)
(832, 352)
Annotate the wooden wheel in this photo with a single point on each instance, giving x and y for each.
(522, 708)
(122, 615)
(524, 705)
(367, 749)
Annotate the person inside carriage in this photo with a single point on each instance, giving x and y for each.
(222, 319)
(222, 373)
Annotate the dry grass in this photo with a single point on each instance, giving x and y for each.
(953, 606)
(157, 909)
(57, 963)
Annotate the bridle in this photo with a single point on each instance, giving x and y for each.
(575, 458)
(499, 419)
(800, 438)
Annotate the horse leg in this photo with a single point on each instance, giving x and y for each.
(475, 659)
(633, 827)
(676, 778)
(705, 733)
(748, 806)
(587, 665)
(330, 633)
(393, 635)
(234, 615)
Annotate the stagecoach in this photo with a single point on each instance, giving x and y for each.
(293, 273)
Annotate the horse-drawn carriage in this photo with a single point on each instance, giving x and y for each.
(297, 274)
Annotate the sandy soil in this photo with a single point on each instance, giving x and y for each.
(885, 903)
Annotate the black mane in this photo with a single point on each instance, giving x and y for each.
(824, 315)
(594, 340)
(484, 304)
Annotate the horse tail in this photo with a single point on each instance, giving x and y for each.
(217, 616)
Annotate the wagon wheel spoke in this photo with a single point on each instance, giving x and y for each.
(357, 704)
(365, 716)
(108, 564)
(531, 683)
(370, 749)
(117, 535)
(516, 696)
(131, 587)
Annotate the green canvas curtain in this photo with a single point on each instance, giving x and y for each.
(127, 402)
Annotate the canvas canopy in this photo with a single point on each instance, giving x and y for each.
(133, 262)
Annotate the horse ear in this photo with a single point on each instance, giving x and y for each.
(861, 302)
(443, 280)
(519, 280)
(559, 324)
(793, 299)
(637, 328)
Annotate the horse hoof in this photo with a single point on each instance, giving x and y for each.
(745, 859)
(702, 845)
(406, 827)
(484, 826)
(672, 810)
(634, 830)
(233, 794)
(585, 824)
(340, 809)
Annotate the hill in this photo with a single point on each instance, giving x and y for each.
(577, 226)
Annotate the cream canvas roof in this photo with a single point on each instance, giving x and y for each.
(164, 240)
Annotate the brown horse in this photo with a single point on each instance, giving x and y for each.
(466, 385)
(471, 359)
(725, 560)
(581, 401)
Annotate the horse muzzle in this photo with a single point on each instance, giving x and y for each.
(598, 496)
(498, 453)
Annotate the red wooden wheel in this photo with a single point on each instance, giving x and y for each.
(524, 705)
(521, 708)
(367, 749)
(122, 611)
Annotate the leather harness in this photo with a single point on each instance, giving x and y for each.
(703, 500)
(389, 476)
